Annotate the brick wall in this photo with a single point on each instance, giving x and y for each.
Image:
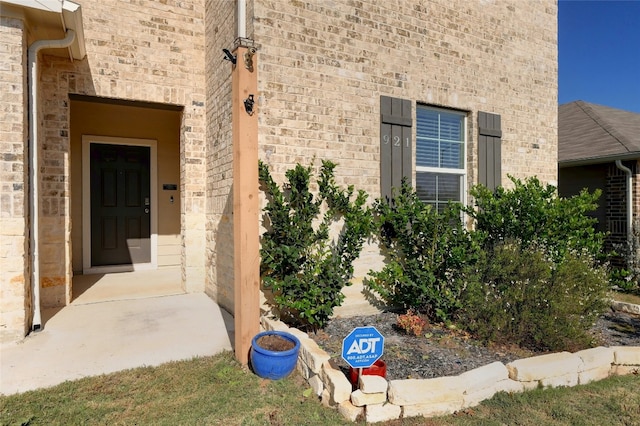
(155, 54)
(617, 204)
(15, 293)
(322, 68)
(324, 65)
(221, 32)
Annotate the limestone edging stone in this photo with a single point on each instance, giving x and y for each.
(446, 395)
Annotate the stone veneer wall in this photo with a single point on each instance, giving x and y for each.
(15, 283)
(323, 67)
(378, 400)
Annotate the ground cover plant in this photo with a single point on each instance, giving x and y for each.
(203, 391)
(218, 391)
(303, 265)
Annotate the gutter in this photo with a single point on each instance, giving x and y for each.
(627, 171)
(599, 160)
(34, 175)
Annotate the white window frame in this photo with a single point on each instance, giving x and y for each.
(462, 173)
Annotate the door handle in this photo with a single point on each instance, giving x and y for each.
(146, 210)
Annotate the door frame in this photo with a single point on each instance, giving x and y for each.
(87, 140)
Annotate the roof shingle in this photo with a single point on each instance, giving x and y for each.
(591, 133)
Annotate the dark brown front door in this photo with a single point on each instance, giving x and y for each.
(120, 205)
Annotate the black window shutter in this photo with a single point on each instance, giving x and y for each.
(489, 150)
(395, 143)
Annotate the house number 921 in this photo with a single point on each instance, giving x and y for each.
(396, 140)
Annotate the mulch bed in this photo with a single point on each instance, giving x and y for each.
(447, 352)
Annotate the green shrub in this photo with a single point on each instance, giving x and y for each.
(627, 277)
(302, 265)
(533, 213)
(427, 254)
(522, 296)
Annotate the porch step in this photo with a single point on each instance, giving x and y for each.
(356, 302)
(126, 285)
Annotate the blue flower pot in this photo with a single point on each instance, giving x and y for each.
(270, 364)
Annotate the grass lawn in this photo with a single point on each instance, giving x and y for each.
(217, 390)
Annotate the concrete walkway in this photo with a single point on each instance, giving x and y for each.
(105, 331)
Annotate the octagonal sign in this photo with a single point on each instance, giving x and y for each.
(362, 347)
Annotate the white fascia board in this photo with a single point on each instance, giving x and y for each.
(46, 5)
(72, 15)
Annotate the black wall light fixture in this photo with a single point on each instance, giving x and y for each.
(248, 105)
(228, 56)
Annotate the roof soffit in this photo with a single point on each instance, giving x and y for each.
(49, 20)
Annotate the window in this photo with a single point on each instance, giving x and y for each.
(440, 155)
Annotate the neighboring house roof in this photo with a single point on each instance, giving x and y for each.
(590, 133)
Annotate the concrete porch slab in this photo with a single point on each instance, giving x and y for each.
(92, 336)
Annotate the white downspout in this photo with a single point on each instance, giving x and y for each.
(32, 59)
(242, 19)
(627, 171)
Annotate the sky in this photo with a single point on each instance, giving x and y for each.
(599, 52)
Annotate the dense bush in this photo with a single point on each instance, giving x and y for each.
(627, 277)
(521, 296)
(533, 213)
(541, 282)
(302, 265)
(528, 273)
(428, 254)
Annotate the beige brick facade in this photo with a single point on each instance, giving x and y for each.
(324, 66)
(155, 56)
(221, 31)
(145, 53)
(322, 69)
(15, 295)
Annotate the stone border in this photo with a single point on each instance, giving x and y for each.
(378, 400)
(629, 308)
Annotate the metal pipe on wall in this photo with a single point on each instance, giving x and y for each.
(34, 207)
(242, 19)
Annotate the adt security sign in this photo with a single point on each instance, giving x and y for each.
(362, 347)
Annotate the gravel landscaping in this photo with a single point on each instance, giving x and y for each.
(445, 352)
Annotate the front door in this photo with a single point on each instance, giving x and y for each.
(120, 204)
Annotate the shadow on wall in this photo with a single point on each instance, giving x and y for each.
(224, 248)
